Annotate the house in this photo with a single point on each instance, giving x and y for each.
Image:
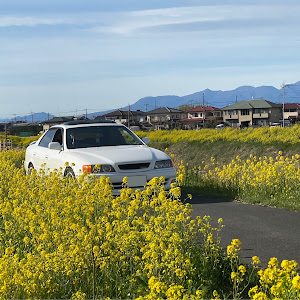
(199, 117)
(4, 126)
(252, 113)
(165, 117)
(26, 129)
(59, 120)
(136, 118)
(292, 112)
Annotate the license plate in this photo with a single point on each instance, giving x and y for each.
(137, 181)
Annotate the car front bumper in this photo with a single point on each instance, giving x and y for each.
(138, 180)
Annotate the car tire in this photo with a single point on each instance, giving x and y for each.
(30, 168)
(69, 173)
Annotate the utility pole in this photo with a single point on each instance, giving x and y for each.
(146, 105)
(283, 87)
(235, 98)
(128, 115)
(203, 111)
(86, 113)
(5, 142)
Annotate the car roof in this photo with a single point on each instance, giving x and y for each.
(85, 123)
(77, 122)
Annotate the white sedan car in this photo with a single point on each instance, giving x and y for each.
(102, 148)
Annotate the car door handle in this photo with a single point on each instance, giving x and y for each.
(33, 153)
(46, 157)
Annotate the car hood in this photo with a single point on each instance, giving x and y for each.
(118, 154)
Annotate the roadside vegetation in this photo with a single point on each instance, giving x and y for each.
(70, 238)
(252, 165)
(19, 142)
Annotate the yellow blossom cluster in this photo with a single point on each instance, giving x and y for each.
(70, 238)
(263, 135)
(19, 141)
(277, 282)
(276, 180)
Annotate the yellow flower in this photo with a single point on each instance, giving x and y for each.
(273, 262)
(260, 296)
(255, 260)
(296, 283)
(216, 295)
(242, 270)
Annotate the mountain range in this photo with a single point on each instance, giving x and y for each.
(221, 99)
(218, 99)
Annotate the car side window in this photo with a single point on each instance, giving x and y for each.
(58, 136)
(47, 138)
(128, 138)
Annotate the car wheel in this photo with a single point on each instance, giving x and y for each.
(69, 173)
(30, 168)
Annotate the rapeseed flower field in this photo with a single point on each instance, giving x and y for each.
(273, 181)
(262, 135)
(70, 238)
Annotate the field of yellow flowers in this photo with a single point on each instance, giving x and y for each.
(19, 141)
(272, 179)
(70, 238)
(266, 180)
(262, 135)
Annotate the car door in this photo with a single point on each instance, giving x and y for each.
(54, 157)
(51, 158)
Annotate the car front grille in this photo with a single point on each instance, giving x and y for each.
(120, 185)
(138, 166)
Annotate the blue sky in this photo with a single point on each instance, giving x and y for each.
(65, 56)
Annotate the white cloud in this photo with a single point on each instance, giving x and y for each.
(129, 23)
(8, 21)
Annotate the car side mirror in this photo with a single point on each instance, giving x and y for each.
(55, 146)
(146, 140)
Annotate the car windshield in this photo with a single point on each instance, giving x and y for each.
(99, 136)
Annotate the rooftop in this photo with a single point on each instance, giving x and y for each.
(206, 108)
(249, 104)
(164, 110)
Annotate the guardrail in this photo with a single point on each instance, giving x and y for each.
(5, 144)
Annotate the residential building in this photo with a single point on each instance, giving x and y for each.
(59, 120)
(136, 118)
(4, 126)
(292, 112)
(26, 129)
(252, 113)
(165, 117)
(199, 117)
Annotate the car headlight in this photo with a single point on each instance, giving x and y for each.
(98, 168)
(160, 164)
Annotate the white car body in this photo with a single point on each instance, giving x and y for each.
(130, 158)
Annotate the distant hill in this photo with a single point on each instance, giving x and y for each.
(218, 99)
(35, 117)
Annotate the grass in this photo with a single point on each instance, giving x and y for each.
(223, 152)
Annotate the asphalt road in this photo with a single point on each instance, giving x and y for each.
(264, 231)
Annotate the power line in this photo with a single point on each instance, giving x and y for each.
(53, 113)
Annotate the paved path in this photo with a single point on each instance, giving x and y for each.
(264, 231)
